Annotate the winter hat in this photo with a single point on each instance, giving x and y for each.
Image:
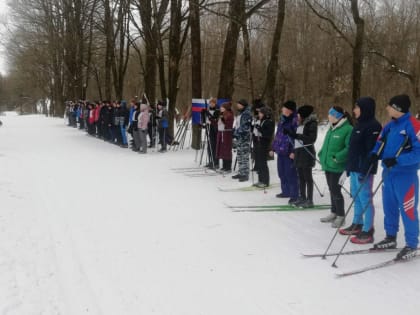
(400, 103)
(305, 110)
(336, 113)
(265, 110)
(227, 106)
(243, 102)
(290, 105)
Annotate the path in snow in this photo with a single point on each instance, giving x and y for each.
(90, 228)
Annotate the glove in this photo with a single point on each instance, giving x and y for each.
(390, 162)
(373, 158)
(258, 127)
(289, 132)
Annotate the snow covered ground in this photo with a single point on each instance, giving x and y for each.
(90, 228)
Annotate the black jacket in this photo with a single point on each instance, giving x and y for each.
(305, 156)
(106, 115)
(123, 114)
(362, 141)
(266, 131)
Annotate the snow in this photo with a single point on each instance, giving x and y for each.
(90, 228)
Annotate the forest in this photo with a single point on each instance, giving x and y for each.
(318, 52)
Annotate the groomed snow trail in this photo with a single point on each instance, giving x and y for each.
(90, 228)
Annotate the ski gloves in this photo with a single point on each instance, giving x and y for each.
(289, 132)
(390, 162)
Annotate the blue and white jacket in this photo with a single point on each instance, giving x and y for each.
(394, 135)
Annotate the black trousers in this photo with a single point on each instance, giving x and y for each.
(306, 183)
(211, 147)
(162, 138)
(261, 166)
(337, 200)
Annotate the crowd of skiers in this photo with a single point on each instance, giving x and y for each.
(351, 148)
(111, 121)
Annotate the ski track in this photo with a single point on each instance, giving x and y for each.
(69, 244)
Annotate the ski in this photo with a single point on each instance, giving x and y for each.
(191, 170)
(383, 264)
(187, 168)
(277, 208)
(354, 252)
(202, 175)
(246, 188)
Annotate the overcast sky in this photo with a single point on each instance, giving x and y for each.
(3, 18)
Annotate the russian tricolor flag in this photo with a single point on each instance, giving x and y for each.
(198, 104)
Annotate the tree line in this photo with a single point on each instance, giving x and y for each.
(320, 52)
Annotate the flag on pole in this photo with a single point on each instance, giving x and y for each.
(198, 104)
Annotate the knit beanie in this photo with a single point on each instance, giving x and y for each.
(400, 103)
(305, 110)
(243, 102)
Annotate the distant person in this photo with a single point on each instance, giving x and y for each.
(304, 151)
(283, 146)
(135, 126)
(333, 158)
(163, 124)
(242, 136)
(400, 161)
(263, 134)
(143, 121)
(210, 119)
(362, 141)
(224, 136)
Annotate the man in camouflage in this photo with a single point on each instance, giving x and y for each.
(242, 136)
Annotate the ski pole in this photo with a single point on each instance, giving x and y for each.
(348, 210)
(373, 194)
(209, 146)
(252, 152)
(311, 155)
(363, 212)
(352, 202)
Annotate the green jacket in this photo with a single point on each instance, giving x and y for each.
(334, 152)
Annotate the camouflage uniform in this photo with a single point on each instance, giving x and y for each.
(243, 139)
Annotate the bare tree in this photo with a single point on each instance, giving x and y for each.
(273, 66)
(196, 86)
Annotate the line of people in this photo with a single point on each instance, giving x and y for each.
(350, 149)
(111, 121)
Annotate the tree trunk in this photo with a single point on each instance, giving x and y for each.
(196, 86)
(273, 65)
(227, 72)
(357, 51)
(247, 59)
(120, 61)
(176, 44)
(109, 49)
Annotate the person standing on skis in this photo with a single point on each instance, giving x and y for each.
(400, 155)
(242, 134)
(283, 146)
(333, 157)
(361, 172)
